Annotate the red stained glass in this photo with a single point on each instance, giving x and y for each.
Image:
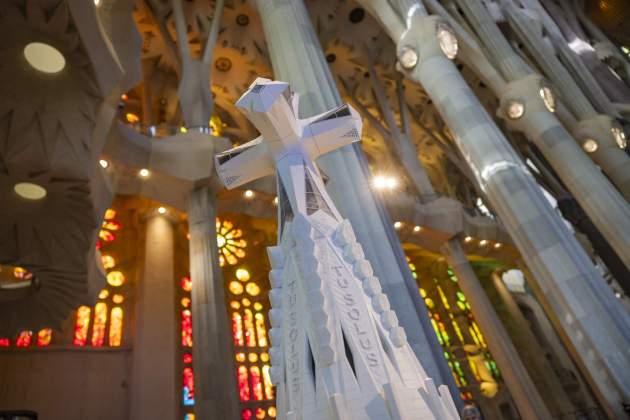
(98, 244)
(81, 325)
(246, 414)
(100, 320)
(248, 323)
(106, 235)
(256, 383)
(187, 358)
(237, 329)
(186, 284)
(243, 383)
(187, 328)
(189, 386)
(43, 337)
(5, 342)
(24, 339)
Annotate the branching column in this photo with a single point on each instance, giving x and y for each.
(215, 384)
(567, 277)
(297, 58)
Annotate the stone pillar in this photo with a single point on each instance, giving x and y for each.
(564, 271)
(215, 383)
(155, 391)
(529, 402)
(297, 58)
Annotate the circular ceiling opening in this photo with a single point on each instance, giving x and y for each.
(44, 57)
(29, 191)
(356, 15)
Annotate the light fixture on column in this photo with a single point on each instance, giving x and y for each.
(44, 57)
(161, 210)
(104, 164)
(382, 182)
(498, 245)
(275, 201)
(249, 194)
(590, 145)
(144, 172)
(417, 228)
(397, 225)
(483, 242)
(447, 40)
(29, 191)
(468, 239)
(548, 98)
(515, 109)
(619, 136)
(408, 57)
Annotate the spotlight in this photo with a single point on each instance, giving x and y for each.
(515, 110)
(620, 137)
(408, 57)
(397, 225)
(249, 194)
(447, 40)
(44, 57)
(498, 245)
(590, 146)
(144, 172)
(417, 228)
(382, 182)
(162, 210)
(275, 201)
(547, 96)
(483, 242)
(104, 164)
(468, 239)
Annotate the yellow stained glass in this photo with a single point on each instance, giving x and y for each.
(267, 383)
(103, 294)
(185, 302)
(235, 287)
(423, 292)
(443, 298)
(253, 357)
(115, 326)
(248, 324)
(230, 242)
(118, 298)
(261, 329)
(115, 278)
(264, 357)
(258, 306)
(100, 320)
(108, 261)
(240, 357)
(272, 412)
(44, 337)
(458, 332)
(246, 302)
(252, 289)
(110, 214)
(235, 305)
(242, 274)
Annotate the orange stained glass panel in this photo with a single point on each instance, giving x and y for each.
(267, 383)
(116, 326)
(261, 329)
(237, 329)
(44, 336)
(24, 339)
(186, 284)
(257, 389)
(243, 383)
(248, 323)
(100, 321)
(187, 328)
(110, 214)
(81, 326)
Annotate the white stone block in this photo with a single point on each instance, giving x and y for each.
(363, 269)
(380, 303)
(276, 257)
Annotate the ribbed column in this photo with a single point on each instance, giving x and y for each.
(529, 402)
(564, 271)
(533, 355)
(215, 383)
(154, 390)
(297, 58)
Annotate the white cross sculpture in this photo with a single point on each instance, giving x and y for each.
(337, 349)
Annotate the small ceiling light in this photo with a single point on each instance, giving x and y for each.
(97, 2)
(29, 191)
(498, 245)
(162, 210)
(417, 228)
(275, 201)
(547, 96)
(483, 242)
(144, 172)
(104, 164)
(618, 295)
(183, 129)
(515, 110)
(468, 239)
(397, 225)
(620, 137)
(590, 146)
(408, 57)
(124, 97)
(44, 57)
(382, 182)
(447, 40)
(249, 194)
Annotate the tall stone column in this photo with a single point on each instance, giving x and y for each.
(297, 58)
(529, 402)
(154, 390)
(215, 383)
(564, 271)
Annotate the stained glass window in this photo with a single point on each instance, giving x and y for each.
(186, 342)
(44, 337)
(81, 325)
(100, 321)
(187, 328)
(115, 326)
(24, 339)
(188, 386)
(230, 242)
